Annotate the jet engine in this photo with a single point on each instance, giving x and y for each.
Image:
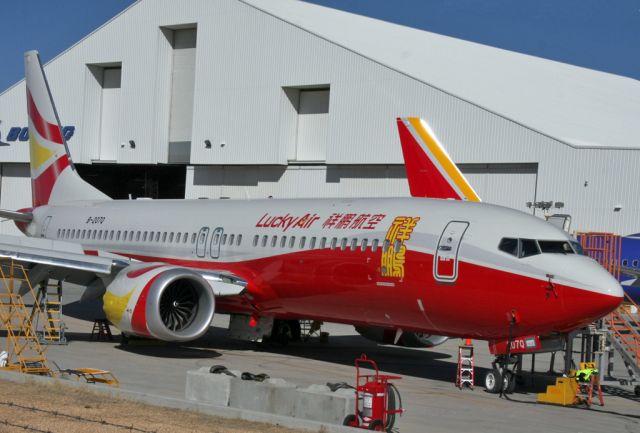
(407, 339)
(162, 301)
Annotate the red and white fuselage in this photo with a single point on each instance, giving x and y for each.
(437, 267)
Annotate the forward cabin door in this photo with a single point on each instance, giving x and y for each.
(201, 243)
(445, 265)
(45, 226)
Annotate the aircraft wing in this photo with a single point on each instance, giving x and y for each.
(44, 258)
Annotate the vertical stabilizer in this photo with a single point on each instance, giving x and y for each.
(430, 170)
(53, 176)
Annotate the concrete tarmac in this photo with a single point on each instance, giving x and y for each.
(432, 402)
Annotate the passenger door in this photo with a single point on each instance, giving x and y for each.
(215, 242)
(201, 243)
(445, 265)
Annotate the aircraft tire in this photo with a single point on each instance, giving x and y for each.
(509, 382)
(493, 381)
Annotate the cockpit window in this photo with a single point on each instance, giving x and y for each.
(577, 248)
(528, 248)
(557, 247)
(509, 245)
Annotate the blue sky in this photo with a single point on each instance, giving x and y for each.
(597, 34)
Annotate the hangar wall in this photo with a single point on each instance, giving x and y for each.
(258, 106)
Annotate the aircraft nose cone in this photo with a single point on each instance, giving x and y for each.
(597, 296)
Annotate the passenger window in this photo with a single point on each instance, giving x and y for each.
(99, 235)
(170, 237)
(303, 240)
(509, 246)
(150, 236)
(239, 240)
(118, 235)
(385, 245)
(625, 262)
(59, 231)
(292, 241)
(374, 245)
(164, 237)
(274, 240)
(138, 236)
(334, 242)
(396, 245)
(255, 240)
(634, 263)
(111, 235)
(231, 239)
(528, 248)
(354, 244)
(283, 241)
(157, 236)
(84, 232)
(131, 235)
(312, 243)
(224, 239)
(343, 244)
(323, 242)
(264, 240)
(73, 233)
(144, 237)
(93, 235)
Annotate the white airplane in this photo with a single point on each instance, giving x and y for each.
(417, 267)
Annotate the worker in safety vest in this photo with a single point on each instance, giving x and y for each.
(584, 375)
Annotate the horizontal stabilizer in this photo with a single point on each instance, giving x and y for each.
(24, 217)
(430, 170)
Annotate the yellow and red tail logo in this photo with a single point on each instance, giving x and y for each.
(49, 156)
(430, 170)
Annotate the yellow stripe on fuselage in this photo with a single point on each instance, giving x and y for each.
(444, 160)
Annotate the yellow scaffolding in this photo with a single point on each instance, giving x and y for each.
(22, 344)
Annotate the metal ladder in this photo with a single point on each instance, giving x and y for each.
(624, 336)
(50, 300)
(465, 371)
(25, 353)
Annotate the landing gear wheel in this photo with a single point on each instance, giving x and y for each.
(350, 421)
(508, 382)
(637, 390)
(376, 425)
(493, 381)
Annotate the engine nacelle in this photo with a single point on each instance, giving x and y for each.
(407, 339)
(162, 301)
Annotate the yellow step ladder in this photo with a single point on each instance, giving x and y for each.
(49, 296)
(24, 351)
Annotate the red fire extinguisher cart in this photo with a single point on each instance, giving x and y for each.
(373, 400)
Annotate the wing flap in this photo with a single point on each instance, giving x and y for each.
(53, 253)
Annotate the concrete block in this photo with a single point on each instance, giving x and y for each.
(258, 396)
(273, 396)
(206, 387)
(318, 403)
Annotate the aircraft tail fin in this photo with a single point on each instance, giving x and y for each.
(430, 170)
(54, 178)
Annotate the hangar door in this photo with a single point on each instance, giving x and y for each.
(15, 192)
(510, 185)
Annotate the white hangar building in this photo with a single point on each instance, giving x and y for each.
(258, 98)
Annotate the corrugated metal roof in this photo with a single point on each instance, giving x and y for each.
(582, 107)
